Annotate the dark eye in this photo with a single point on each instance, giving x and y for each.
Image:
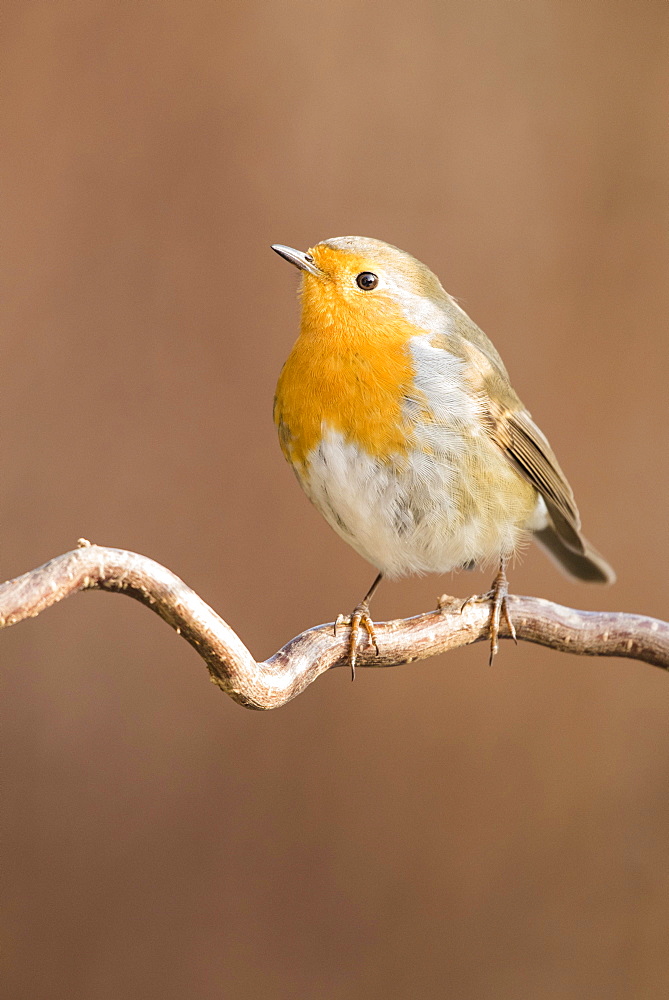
(367, 281)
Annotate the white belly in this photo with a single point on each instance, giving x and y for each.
(416, 515)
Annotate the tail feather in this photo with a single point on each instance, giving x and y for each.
(586, 565)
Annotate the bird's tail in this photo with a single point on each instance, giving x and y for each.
(585, 565)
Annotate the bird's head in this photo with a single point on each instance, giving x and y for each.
(362, 284)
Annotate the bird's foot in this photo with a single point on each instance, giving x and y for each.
(498, 598)
(358, 618)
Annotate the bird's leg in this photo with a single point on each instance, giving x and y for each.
(359, 616)
(497, 595)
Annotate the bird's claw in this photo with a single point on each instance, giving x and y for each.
(359, 617)
(498, 598)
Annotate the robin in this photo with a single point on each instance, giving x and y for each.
(398, 417)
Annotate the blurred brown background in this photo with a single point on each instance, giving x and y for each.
(440, 830)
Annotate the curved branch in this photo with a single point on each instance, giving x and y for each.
(286, 674)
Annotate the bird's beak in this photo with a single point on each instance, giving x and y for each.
(304, 261)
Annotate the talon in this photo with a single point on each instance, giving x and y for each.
(474, 599)
(340, 620)
(497, 595)
(360, 617)
(507, 619)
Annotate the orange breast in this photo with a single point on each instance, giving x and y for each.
(349, 372)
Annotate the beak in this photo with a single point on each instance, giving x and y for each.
(304, 261)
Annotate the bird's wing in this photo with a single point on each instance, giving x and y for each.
(510, 425)
(516, 433)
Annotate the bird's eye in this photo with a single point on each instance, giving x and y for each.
(367, 281)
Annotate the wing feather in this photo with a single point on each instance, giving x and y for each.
(512, 429)
(518, 435)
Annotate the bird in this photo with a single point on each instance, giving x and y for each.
(398, 417)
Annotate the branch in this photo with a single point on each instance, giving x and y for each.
(286, 674)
